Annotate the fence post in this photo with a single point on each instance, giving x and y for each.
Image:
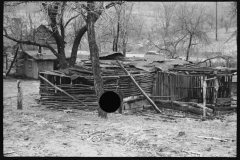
(154, 89)
(215, 91)
(19, 95)
(204, 85)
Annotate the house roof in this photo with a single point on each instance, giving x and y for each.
(46, 55)
(38, 32)
(43, 27)
(111, 55)
(163, 64)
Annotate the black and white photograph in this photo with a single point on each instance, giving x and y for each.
(120, 79)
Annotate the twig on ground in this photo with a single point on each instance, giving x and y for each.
(8, 152)
(216, 138)
(191, 152)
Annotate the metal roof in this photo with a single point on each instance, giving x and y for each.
(111, 55)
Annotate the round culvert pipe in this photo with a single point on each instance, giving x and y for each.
(110, 101)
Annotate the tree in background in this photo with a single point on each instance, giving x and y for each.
(189, 22)
(59, 15)
(90, 12)
(115, 26)
(164, 35)
(233, 17)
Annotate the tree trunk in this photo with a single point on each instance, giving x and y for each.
(62, 58)
(58, 38)
(31, 28)
(115, 41)
(189, 46)
(94, 54)
(15, 56)
(118, 30)
(76, 43)
(124, 48)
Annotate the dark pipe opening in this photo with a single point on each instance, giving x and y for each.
(110, 101)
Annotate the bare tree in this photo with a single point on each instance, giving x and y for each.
(233, 17)
(189, 22)
(165, 14)
(115, 26)
(164, 35)
(125, 30)
(55, 12)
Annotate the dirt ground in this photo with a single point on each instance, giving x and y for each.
(40, 131)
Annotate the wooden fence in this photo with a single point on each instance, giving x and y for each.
(83, 89)
(171, 86)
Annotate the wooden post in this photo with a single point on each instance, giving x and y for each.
(154, 86)
(39, 49)
(215, 92)
(6, 61)
(204, 85)
(15, 56)
(19, 95)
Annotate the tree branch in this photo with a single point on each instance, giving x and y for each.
(163, 49)
(31, 43)
(61, 20)
(70, 20)
(223, 57)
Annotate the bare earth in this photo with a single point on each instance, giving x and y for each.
(40, 131)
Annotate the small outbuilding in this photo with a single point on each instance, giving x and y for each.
(30, 63)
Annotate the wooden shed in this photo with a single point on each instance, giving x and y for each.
(30, 63)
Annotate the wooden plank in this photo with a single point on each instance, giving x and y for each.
(154, 86)
(173, 85)
(204, 96)
(166, 81)
(178, 93)
(158, 84)
(169, 85)
(230, 85)
(162, 84)
(223, 100)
